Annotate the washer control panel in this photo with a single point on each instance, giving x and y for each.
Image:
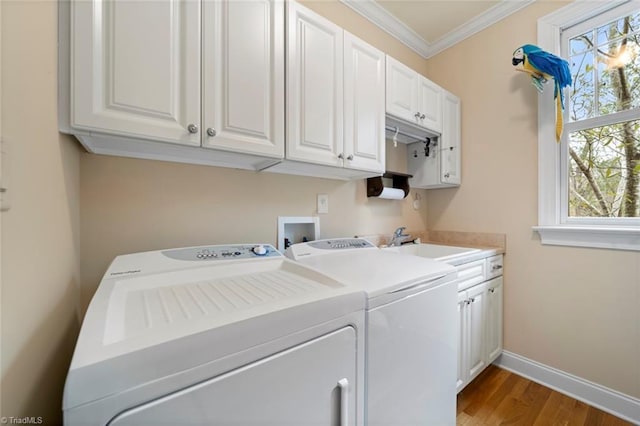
(325, 247)
(340, 244)
(223, 252)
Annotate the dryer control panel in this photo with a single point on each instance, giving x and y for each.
(223, 252)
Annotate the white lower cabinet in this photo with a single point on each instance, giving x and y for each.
(494, 318)
(479, 318)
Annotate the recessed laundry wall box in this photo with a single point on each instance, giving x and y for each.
(292, 230)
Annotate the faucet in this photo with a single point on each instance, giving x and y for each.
(399, 237)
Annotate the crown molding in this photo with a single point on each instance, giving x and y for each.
(477, 24)
(375, 13)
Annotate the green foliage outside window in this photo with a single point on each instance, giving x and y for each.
(604, 147)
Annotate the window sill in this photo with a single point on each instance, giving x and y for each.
(618, 238)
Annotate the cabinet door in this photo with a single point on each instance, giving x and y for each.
(450, 141)
(402, 91)
(476, 360)
(364, 70)
(135, 68)
(314, 88)
(243, 54)
(430, 105)
(463, 333)
(494, 319)
(313, 383)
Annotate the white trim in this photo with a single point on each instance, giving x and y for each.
(590, 236)
(381, 17)
(477, 24)
(609, 400)
(551, 227)
(389, 23)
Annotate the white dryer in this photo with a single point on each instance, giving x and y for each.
(410, 367)
(218, 335)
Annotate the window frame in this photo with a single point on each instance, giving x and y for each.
(554, 226)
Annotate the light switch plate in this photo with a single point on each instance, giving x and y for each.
(323, 203)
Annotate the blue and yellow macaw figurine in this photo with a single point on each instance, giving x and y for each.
(543, 66)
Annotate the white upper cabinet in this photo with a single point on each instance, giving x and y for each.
(243, 76)
(450, 141)
(135, 68)
(334, 103)
(212, 75)
(364, 109)
(207, 74)
(412, 97)
(314, 88)
(430, 105)
(441, 168)
(402, 87)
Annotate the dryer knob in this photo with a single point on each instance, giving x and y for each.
(259, 250)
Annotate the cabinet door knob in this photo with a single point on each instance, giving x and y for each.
(417, 114)
(422, 116)
(492, 290)
(211, 132)
(446, 175)
(341, 156)
(192, 128)
(350, 157)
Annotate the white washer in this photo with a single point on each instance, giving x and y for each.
(220, 335)
(410, 367)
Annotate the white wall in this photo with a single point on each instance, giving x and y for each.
(573, 309)
(40, 240)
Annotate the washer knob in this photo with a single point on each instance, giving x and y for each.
(259, 250)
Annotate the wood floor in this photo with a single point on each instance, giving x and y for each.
(498, 397)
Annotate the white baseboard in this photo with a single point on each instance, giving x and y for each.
(609, 400)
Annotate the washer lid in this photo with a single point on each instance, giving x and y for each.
(378, 272)
(143, 326)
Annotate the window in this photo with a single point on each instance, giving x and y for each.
(590, 183)
(602, 112)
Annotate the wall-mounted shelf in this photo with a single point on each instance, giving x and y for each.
(398, 190)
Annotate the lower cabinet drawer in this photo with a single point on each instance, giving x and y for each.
(470, 274)
(494, 266)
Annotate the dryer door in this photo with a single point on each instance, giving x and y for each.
(312, 383)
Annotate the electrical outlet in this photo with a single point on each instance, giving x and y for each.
(4, 176)
(323, 203)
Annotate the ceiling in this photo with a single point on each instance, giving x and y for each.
(430, 26)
